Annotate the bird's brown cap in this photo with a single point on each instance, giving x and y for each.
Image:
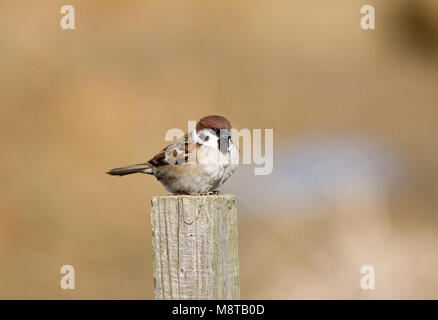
(217, 122)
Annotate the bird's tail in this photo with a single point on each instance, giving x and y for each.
(143, 168)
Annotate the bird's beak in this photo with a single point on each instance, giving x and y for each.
(224, 140)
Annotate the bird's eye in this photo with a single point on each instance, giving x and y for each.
(206, 138)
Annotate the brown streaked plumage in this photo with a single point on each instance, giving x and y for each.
(161, 158)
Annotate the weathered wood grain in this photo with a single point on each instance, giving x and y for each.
(195, 247)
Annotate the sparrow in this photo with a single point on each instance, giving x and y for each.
(197, 163)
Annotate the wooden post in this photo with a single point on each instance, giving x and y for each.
(195, 247)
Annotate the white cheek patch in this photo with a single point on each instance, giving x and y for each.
(202, 136)
(212, 142)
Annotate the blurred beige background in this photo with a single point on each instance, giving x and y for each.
(354, 115)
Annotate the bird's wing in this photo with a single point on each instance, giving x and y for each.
(181, 151)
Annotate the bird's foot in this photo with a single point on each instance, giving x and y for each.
(210, 193)
(214, 192)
